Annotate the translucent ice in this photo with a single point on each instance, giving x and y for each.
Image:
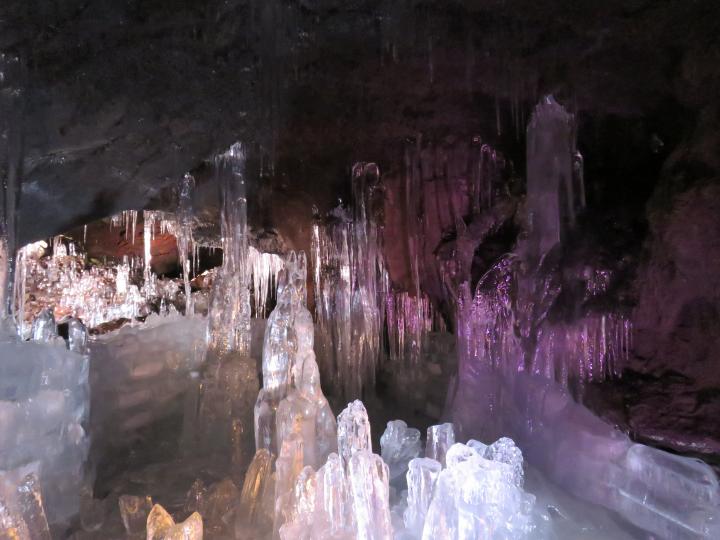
(474, 499)
(369, 485)
(229, 326)
(44, 328)
(43, 407)
(398, 445)
(421, 476)
(505, 451)
(353, 431)
(439, 439)
(256, 483)
(334, 496)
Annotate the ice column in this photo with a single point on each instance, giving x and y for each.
(554, 177)
(229, 317)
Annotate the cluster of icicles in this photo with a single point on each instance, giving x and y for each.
(97, 294)
(354, 303)
(326, 482)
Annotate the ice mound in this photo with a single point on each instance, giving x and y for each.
(140, 373)
(44, 404)
(671, 496)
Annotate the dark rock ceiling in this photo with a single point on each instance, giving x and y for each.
(123, 96)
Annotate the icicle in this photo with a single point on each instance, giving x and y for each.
(183, 234)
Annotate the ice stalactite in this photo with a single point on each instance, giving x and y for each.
(265, 268)
(64, 281)
(350, 289)
(493, 319)
(149, 278)
(184, 235)
(409, 319)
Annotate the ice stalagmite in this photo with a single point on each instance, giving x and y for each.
(353, 430)
(399, 444)
(476, 498)
(161, 526)
(257, 481)
(369, 485)
(279, 350)
(439, 439)
(291, 401)
(421, 478)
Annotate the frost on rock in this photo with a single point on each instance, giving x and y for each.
(399, 444)
(439, 439)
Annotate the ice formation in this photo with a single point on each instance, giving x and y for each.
(44, 407)
(140, 373)
(496, 395)
(554, 182)
(399, 444)
(229, 316)
(161, 526)
(350, 287)
(95, 294)
(439, 439)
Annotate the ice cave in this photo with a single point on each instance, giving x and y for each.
(359, 269)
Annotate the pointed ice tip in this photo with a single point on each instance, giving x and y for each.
(549, 99)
